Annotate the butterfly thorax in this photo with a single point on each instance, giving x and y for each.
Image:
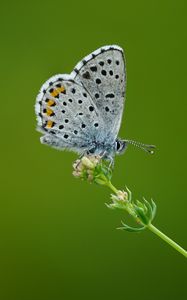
(107, 150)
(102, 149)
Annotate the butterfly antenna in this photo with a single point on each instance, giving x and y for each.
(147, 148)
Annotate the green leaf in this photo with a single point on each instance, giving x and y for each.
(141, 214)
(141, 205)
(154, 208)
(129, 194)
(131, 229)
(99, 181)
(149, 213)
(110, 206)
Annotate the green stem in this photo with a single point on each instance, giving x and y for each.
(167, 239)
(155, 230)
(112, 187)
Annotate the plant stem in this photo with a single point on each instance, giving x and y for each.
(112, 187)
(155, 230)
(167, 239)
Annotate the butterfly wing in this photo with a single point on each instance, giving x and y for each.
(67, 114)
(102, 73)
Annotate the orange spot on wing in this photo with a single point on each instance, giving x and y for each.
(49, 112)
(62, 89)
(49, 124)
(51, 102)
(54, 93)
(57, 91)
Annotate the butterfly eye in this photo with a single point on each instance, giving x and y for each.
(120, 146)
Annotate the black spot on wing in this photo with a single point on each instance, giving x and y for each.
(101, 63)
(91, 108)
(110, 95)
(103, 72)
(86, 75)
(76, 71)
(93, 69)
(98, 81)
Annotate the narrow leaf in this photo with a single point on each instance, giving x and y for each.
(140, 204)
(141, 214)
(129, 194)
(131, 229)
(154, 208)
(149, 213)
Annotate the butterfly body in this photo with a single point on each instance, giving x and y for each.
(82, 111)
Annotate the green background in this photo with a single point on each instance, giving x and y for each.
(58, 239)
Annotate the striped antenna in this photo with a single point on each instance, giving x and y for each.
(145, 147)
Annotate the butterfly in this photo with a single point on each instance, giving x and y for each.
(82, 111)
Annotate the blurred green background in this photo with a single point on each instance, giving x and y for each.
(58, 239)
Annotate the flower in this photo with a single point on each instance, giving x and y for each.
(92, 169)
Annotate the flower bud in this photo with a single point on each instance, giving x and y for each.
(93, 169)
(86, 162)
(122, 195)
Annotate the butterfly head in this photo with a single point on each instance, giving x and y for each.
(120, 146)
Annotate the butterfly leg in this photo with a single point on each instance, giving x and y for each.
(108, 158)
(78, 161)
(111, 162)
(82, 154)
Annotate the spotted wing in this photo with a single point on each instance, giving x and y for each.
(102, 73)
(67, 114)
